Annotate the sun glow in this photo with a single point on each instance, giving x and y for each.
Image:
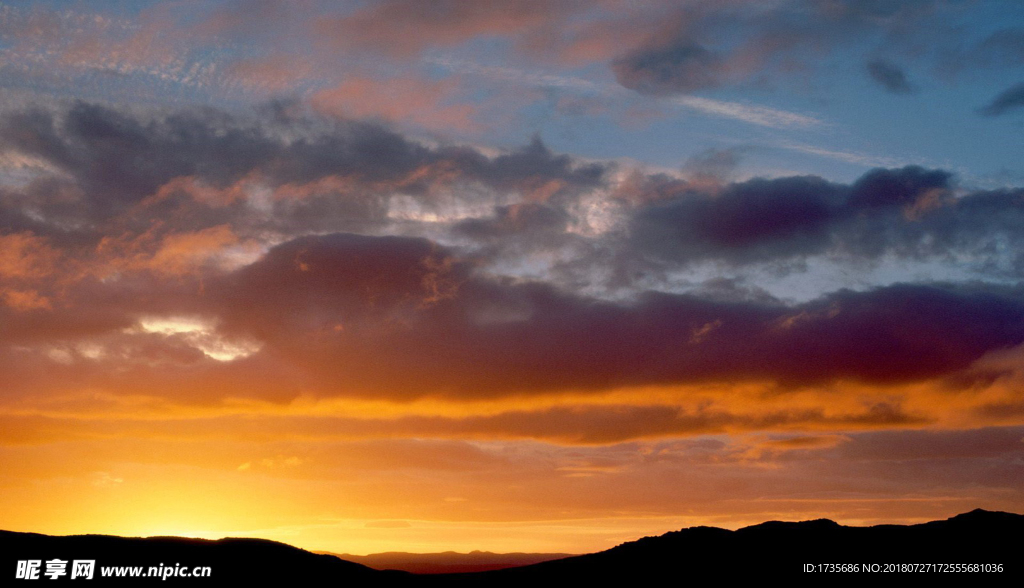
(200, 334)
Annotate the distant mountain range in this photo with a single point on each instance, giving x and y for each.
(448, 562)
(970, 547)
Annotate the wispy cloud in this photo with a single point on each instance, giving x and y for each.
(748, 113)
(519, 76)
(853, 157)
(753, 114)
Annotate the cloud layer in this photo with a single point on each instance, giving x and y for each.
(284, 254)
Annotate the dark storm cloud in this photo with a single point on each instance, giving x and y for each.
(404, 317)
(890, 76)
(758, 219)
(115, 160)
(118, 159)
(882, 188)
(529, 219)
(1010, 99)
(910, 212)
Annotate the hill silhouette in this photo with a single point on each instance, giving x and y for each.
(768, 550)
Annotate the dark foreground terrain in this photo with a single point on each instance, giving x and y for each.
(961, 547)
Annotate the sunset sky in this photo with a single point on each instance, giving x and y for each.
(510, 276)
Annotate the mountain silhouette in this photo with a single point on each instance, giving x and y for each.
(769, 550)
(781, 549)
(230, 560)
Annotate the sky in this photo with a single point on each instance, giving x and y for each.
(509, 276)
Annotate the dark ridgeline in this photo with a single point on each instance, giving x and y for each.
(780, 550)
(232, 561)
(769, 550)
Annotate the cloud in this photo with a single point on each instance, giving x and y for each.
(404, 29)
(188, 189)
(574, 425)
(696, 48)
(758, 115)
(676, 68)
(401, 318)
(345, 57)
(855, 158)
(1009, 100)
(749, 113)
(910, 213)
(791, 213)
(428, 104)
(114, 165)
(430, 326)
(24, 255)
(278, 255)
(1002, 48)
(889, 76)
(531, 219)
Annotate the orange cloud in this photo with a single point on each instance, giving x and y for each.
(422, 102)
(25, 299)
(25, 255)
(172, 254)
(403, 29)
(273, 73)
